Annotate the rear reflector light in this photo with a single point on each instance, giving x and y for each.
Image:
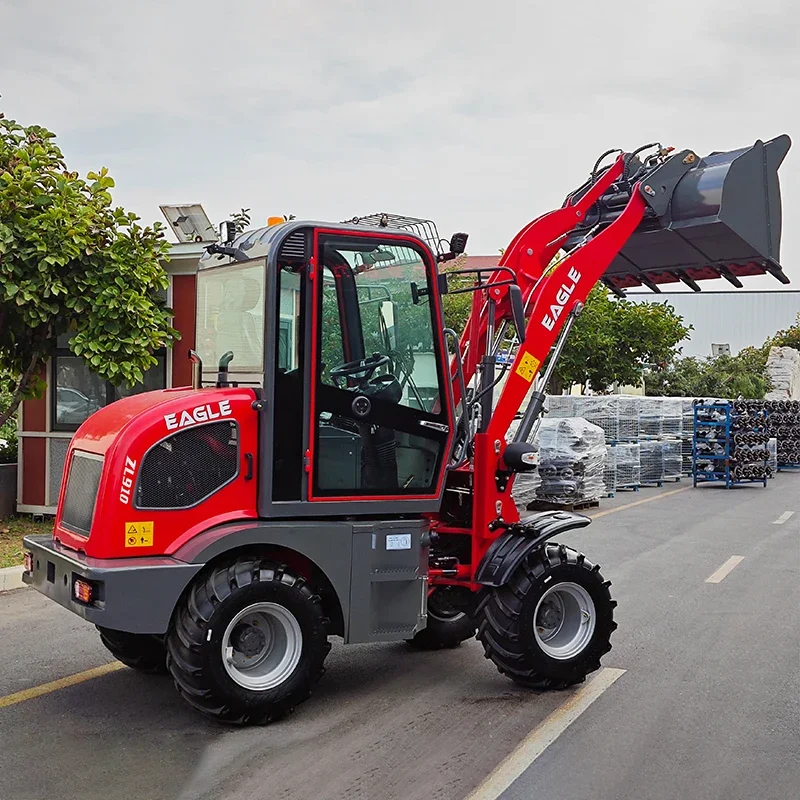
(83, 591)
(28, 562)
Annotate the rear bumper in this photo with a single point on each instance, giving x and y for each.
(136, 595)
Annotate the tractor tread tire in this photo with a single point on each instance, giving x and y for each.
(139, 651)
(194, 654)
(505, 618)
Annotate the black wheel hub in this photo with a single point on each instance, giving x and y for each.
(248, 640)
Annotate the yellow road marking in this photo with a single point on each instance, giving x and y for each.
(542, 736)
(725, 569)
(639, 502)
(61, 683)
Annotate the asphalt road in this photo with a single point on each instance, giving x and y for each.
(709, 705)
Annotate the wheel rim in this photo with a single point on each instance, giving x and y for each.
(441, 610)
(564, 620)
(261, 646)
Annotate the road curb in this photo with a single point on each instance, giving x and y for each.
(11, 578)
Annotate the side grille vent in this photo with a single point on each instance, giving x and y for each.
(187, 467)
(293, 250)
(80, 497)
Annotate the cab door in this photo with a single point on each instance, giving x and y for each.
(380, 408)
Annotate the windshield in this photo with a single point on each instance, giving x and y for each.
(230, 316)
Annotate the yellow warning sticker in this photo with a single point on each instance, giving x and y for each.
(138, 534)
(527, 367)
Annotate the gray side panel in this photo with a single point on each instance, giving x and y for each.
(136, 594)
(388, 597)
(327, 543)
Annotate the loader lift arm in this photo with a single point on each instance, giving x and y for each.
(602, 222)
(549, 298)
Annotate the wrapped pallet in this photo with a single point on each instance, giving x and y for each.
(652, 461)
(671, 449)
(628, 417)
(651, 417)
(671, 416)
(627, 464)
(559, 405)
(572, 456)
(610, 471)
(783, 370)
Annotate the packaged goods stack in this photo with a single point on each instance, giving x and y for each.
(627, 465)
(628, 416)
(784, 425)
(671, 449)
(572, 454)
(610, 470)
(651, 417)
(730, 442)
(559, 405)
(772, 461)
(671, 417)
(651, 462)
(600, 410)
(687, 434)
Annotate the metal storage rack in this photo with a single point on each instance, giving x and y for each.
(717, 418)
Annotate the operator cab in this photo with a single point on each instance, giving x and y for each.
(339, 330)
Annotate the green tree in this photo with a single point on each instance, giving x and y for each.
(790, 337)
(8, 430)
(741, 375)
(722, 376)
(72, 263)
(456, 307)
(614, 340)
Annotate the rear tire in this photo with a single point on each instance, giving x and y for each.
(247, 642)
(449, 620)
(139, 651)
(550, 625)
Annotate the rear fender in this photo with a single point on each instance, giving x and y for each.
(508, 551)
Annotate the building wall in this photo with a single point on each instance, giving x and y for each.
(42, 451)
(737, 318)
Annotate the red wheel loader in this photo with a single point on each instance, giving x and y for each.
(340, 465)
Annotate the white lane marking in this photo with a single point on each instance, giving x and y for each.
(783, 517)
(542, 736)
(728, 566)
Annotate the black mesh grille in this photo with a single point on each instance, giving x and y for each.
(83, 482)
(188, 466)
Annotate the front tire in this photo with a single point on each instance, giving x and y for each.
(247, 642)
(139, 651)
(550, 625)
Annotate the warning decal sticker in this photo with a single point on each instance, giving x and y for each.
(528, 365)
(138, 534)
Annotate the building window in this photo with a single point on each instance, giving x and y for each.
(77, 392)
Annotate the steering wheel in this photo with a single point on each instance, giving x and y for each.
(364, 368)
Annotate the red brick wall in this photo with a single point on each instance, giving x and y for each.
(183, 303)
(34, 412)
(33, 476)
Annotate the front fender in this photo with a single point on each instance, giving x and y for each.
(507, 551)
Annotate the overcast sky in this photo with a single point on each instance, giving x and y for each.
(478, 115)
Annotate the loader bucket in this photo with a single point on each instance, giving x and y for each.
(723, 220)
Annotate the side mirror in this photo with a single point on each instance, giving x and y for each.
(227, 231)
(458, 243)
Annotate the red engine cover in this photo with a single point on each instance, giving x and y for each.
(123, 433)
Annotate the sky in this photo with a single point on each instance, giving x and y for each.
(480, 116)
